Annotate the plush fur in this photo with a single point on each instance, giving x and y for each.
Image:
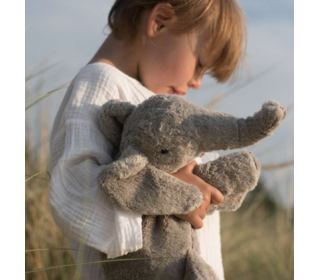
(152, 141)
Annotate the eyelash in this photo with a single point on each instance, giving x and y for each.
(199, 63)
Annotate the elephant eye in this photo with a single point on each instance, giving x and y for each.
(164, 151)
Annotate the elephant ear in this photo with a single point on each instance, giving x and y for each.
(129, 163)
(112, 117)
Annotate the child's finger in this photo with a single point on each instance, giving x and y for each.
(197, 223)
(216, 196)
(190, 166)
(210, 193)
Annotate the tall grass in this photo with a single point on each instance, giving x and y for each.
(257, 240)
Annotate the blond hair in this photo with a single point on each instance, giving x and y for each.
(223, 18)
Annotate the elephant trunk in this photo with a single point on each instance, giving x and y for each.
(221, 131)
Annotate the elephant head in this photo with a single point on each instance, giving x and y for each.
(169, 132)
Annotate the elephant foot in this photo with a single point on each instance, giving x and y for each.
(234, 175)
(197, 268)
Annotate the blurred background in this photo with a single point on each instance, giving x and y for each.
(61, 38)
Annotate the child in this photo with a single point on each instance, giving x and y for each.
(155, 47)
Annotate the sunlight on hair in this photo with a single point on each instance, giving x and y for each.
(224, 18)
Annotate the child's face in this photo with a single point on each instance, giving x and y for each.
(172, 64)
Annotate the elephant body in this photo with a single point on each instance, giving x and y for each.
(166, 235)
(154, 140)
(167, 242)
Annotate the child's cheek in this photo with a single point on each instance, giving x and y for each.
(169, 69)
(183, 68)
(182, 74)
(174, 68)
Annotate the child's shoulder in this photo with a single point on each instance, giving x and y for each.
(101, 74)
(104, 74)
(100, 77)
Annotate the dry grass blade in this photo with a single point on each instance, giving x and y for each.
(50, 249)
(44, 61)
(37, 177)
(253, 79)
(277, 166)
(266, 151)
(273, 148)
(42, 71)
(240, 86)
(33, 176)
(48, 93)
(94, 262)
(214, 101)
(27, 27)
(41, 97)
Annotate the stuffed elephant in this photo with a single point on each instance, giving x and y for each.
(157, 138)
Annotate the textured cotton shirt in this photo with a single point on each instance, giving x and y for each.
(79, 152)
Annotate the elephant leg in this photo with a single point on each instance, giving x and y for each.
(197, 268)
(234, 175)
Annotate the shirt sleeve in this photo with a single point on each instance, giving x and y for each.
(209, 156)
(78, 205)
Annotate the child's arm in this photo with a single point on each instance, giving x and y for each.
(210, 193)
(79, 152)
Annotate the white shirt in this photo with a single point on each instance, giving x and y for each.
(79, 152)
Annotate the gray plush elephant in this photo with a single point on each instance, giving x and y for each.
(155, 139)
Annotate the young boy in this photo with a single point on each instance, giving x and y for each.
(155, 47)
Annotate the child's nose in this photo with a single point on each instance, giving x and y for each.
(195, 83)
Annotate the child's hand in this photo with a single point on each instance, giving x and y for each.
(210, 195)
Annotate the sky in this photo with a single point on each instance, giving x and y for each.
(69, 32)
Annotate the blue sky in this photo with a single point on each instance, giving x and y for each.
(71, 31)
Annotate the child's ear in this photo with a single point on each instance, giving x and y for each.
(162, 15)
(112, 117)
